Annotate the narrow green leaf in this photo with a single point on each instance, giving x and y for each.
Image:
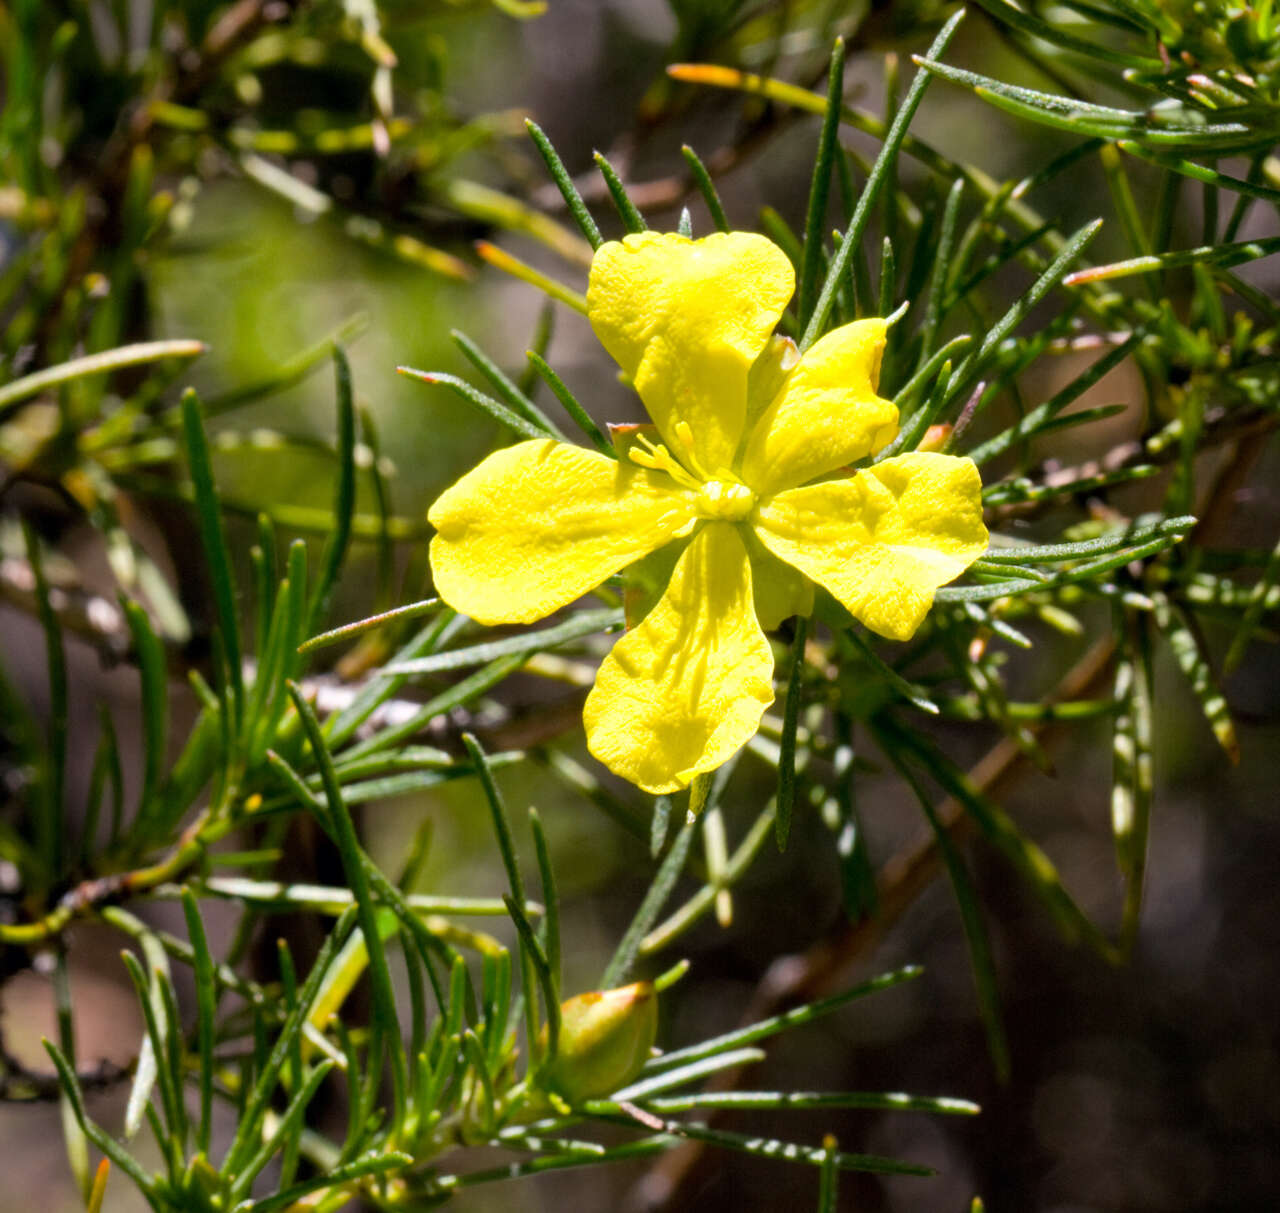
(1259, 595)
(287, 374)
(287, 1129)
(175, 1061)
(344, 835)
(75, 1139)
(682, 1076)
(820, 186)
(103, 762)
(619, 966)
(550, 931)
(480, 1069)
(764, 1028)
(1084, 118)
(941, 268)
(540, 344)
(206, 1009)
(584, 623)
(921, 418)
(1021, 490)
(95, 364)
(645, 1147)
(779, 231)
(342, 724)
(787, 748)
(599, 439)
(908, 690)
(155, 1074)
(1087, 571)
(1096, 52)
(215, 543)
(275, 660)
(1036, 420)
(631, 218)
(264, 590)
(871, 191)
(984, 973)
(706, 187)
(145, 1183)
(461, 692)
(765, 1147)
(1132, 764)
(1246, 188)
(542, 969)
(894, 1102)
(348, 631)
(486, 404)
(1006, 568)
(334, 1180)
(344, 503)
(828, 1186)
(155, 704)
(258, 1096)
(966, 374)
(1222, 256)
(564, 183)
(1189, 650)
(1122, 199)
(705, 898)
(495, 1002)
(1006, 252)
(888, 279)
(857, 874)
(658, 825)
(586, 784)
(1029, 859)
(504, 386)
(498, 813)
(1131, 536)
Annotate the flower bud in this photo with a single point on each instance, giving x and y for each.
(935, 438)
(605, 1039)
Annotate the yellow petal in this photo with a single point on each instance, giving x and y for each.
(882, 541)
(780, 590)
(683, 691)
(685, 319)
(538, 524)
(826, 415)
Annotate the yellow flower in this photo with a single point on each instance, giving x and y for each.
(738, 466)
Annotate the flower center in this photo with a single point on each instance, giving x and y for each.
(725, 500)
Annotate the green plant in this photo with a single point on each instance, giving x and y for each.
(1093, 567)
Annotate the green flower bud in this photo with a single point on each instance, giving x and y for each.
(605, 1039)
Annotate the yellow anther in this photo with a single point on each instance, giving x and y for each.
(684, 436)
(650, 455)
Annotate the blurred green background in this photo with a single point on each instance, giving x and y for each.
(1149, 1088)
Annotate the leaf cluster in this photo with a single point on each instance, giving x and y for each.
(1098, 566)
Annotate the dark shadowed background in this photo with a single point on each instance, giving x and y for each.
(1147, 1088)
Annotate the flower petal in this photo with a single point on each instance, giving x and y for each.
(780, 589)
(882, 541)
(684, 690)
(686, 319)
(826, 415)
(538, 524)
